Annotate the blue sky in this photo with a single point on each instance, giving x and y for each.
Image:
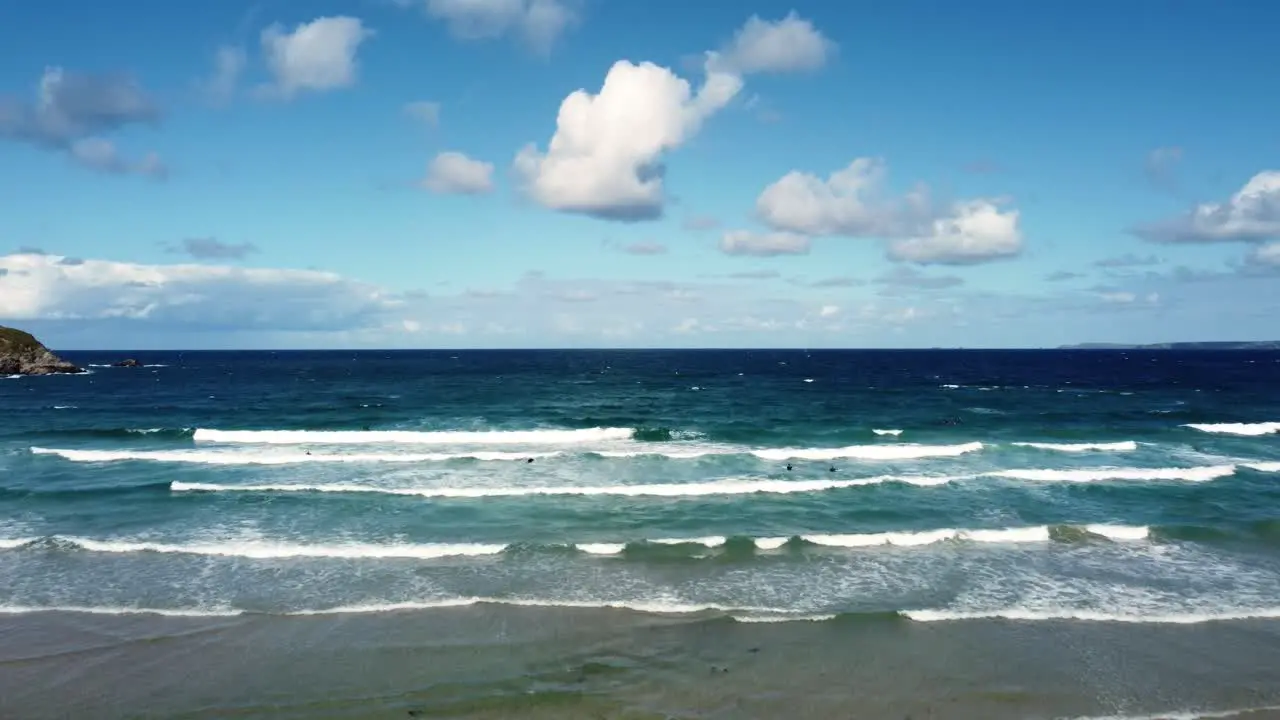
(583, 173)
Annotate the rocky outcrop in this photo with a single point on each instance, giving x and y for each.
(130, 362)
(22, 354)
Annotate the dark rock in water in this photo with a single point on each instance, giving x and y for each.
(130, 362)
(22, 354)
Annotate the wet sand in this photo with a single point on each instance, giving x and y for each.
(515, 662)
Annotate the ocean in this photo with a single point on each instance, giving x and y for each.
(643, 533)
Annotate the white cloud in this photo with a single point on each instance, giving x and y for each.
(829, 311)
(1268, 255)
(540, 22)
(101, 155)
(745, 242)
(846, 203)
(53, 287)
(791, 44)
(850, 202)
(1252, 214)
(605, 158)
(975, 231)
(454, 172)
(317, 56)
(228, 65)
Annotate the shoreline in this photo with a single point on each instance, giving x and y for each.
(491, 661)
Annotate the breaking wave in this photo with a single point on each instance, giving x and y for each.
(1123, 446)
(261, 550)
(1249, 429)
(413, 437)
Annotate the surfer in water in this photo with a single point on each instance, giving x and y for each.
(788, 467)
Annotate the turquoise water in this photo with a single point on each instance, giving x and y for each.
(1139, 486)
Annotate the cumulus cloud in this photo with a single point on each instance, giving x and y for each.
(72, 112)
(315, 57)
(973, 231)
(455, 173)
(846, 203)
(228, 65)
(424, 111)
(769, 244)
(45, 287)
(1266, 255)
(207, 248)
(791, 44)
(645, 248)
(1252, 214)
(101, 155)
(850, 202)
(605, 158)
(72, 106)
(539, 22)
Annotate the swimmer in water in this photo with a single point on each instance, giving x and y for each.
(529, 460)
(831, 469)
(788, 467)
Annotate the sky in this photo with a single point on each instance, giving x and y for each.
(618, 173)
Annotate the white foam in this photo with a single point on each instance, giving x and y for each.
(782, 618)
(1187, 714)
(1251, 429)
(894, 433)
(711, 541)
(868, 452)
(602, 548)
(673, 454)
(655, 607)
(718, 487)
(221, 457)
(91, 610)
(444, 437)
(929, 537)
(1119, 532)
(261, 550)
(1264, 466)
(1191, 474)
(1091, 615)
(1123, 446)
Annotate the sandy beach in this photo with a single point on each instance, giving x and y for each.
(503, 662)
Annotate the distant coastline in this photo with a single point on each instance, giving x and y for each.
(1223, 345)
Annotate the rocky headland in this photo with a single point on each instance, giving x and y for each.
(22, 354)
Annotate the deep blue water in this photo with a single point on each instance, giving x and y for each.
(1035, 483)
